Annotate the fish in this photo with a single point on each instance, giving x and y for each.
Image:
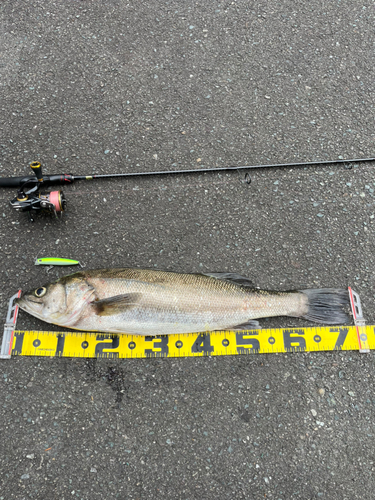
(150, 302)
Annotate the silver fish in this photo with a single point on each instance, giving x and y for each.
(149, 302)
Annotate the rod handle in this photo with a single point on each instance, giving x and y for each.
(48, 180)
(14, 181)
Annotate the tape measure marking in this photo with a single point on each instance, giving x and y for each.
(218, 343)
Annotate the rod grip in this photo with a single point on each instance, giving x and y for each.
(48, 180)
(14, 181)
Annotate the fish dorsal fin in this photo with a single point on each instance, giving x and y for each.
(116, 304)
(232, 278)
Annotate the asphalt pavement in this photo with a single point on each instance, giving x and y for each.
(98, 87)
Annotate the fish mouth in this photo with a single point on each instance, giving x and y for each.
(26, 299)
(31, 305)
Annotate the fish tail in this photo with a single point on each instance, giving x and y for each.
(327, 305)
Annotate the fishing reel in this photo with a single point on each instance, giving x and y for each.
(30, 199)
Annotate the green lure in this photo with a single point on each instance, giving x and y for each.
(52, 261)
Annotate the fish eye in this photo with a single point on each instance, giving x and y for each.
(39, 292)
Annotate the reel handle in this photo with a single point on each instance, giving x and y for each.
(37, 168)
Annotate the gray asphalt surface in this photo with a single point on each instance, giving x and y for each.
(115, 86)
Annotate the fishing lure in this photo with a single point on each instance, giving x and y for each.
(55, 261)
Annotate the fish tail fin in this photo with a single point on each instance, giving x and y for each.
(327, 305)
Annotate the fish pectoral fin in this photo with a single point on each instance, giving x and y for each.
(232, 278)
(116, 304)
(249, 325)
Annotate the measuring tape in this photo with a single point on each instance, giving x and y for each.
(219, 343)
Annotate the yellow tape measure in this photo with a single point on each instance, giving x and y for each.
(219, 343)
(94, 345)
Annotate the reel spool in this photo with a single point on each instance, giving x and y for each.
(53, 201)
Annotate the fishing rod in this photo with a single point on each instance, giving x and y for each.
(30, 199)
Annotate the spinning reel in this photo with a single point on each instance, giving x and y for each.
(30, 199)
